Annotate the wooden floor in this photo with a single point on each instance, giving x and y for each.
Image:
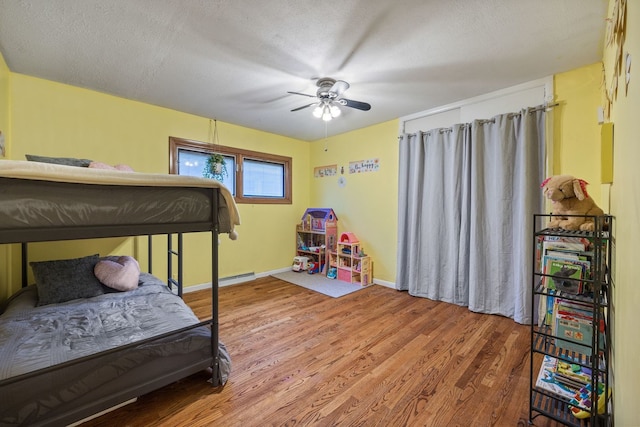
(376, 357)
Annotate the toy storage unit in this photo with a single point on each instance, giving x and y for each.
(351, 266)
(571, 343)
(316, 236)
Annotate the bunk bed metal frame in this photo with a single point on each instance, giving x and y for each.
(58, 232)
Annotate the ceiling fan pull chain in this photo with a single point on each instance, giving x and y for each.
(326, 136)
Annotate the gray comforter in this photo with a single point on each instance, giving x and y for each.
(33, 337)
(36, 337)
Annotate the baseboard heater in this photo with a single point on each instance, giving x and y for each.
(223, 281)
(238, 278)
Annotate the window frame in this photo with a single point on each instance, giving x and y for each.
(240, 155)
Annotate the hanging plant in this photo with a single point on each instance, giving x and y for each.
(216, 167)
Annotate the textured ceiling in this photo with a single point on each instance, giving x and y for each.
(235, 60)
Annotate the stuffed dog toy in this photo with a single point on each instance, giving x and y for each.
(569, 197)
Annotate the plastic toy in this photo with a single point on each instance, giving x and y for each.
(585, 398)
(313, 267)
(300, 263)
(332, 273)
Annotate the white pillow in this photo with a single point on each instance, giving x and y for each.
(121, 275)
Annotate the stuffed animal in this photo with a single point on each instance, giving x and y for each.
(569, 196)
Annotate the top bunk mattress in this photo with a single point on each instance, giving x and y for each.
(43, 201)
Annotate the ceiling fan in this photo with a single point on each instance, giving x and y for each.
(328, 99)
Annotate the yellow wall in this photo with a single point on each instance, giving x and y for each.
(625, 206)
(367, 204)
(5, 272)
(53, 119)
(576, 133)
(4, 101)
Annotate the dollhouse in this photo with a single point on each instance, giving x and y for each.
(316, 236)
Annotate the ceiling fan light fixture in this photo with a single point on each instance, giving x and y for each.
(329, 100)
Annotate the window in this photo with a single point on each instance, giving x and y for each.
(252, 177)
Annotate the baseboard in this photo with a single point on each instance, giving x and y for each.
(247, 277)
(384, 283)
(272, 272)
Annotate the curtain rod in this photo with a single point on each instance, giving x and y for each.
(510, 115)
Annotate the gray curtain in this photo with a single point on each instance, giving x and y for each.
(466, 199)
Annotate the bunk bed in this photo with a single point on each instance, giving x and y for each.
(53, 370)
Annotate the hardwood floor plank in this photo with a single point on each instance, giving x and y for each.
(376, 357)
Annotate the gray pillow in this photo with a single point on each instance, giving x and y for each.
(68, 161)
(66, 279)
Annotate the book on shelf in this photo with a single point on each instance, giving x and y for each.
(573, 324)
(576, 334)
(563, 248)
(569, 262)
(562, 379)
(564, 275)
(572, 375)
(547, 380)
(568, 274)
(565, 244)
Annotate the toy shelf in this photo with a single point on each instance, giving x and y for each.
(571, 378)
(351, 266)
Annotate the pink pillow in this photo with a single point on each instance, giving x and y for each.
(100, 165)
(122, 275)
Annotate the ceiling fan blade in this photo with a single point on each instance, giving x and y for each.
(303, 94)
(355, 104)
(338, 87)
(304, 106)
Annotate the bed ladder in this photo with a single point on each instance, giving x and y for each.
(170, 254)
(215, 332)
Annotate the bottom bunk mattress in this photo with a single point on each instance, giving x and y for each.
(49, 376)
